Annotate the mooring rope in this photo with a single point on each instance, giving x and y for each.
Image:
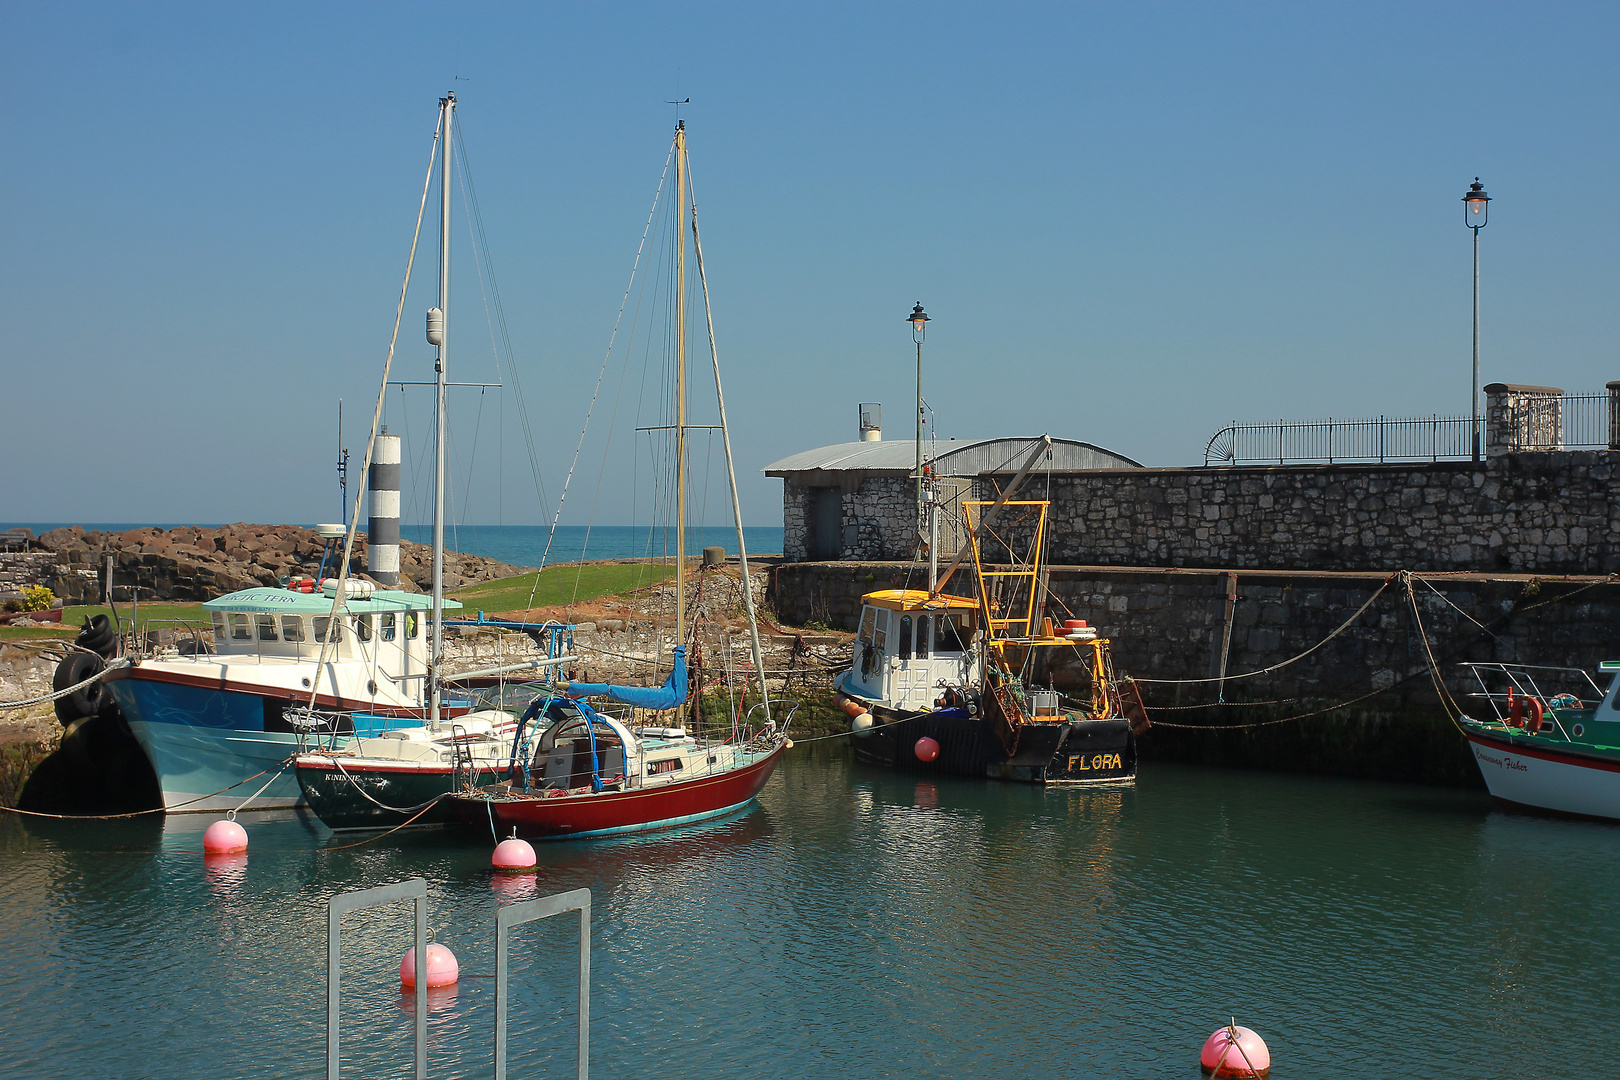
(120, 663)
(153, 810)
(1342, 627)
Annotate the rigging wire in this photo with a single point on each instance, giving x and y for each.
(591, 408)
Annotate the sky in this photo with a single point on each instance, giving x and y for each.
(1131, 224)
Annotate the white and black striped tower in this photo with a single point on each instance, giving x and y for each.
(382, 489)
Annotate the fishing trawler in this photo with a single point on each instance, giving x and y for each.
(986, 685)
(580, 771)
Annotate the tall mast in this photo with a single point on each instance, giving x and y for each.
(680, 382)
(447, 105)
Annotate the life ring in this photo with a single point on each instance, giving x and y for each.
(1516, 714)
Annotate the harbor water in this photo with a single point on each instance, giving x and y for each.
(855, 923)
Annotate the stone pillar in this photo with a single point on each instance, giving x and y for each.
(1521, 418)
(1614, 415)
(382, 489)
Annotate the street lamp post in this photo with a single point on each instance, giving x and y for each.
(1476, 210)
(919, 330)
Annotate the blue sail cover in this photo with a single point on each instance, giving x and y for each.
(671, 694)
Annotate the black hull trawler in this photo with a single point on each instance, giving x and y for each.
(986, 686)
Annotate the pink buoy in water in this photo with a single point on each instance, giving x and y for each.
(926, 749)
(224, 838)
(1234, 1051)
(513, 854)
(442, 969)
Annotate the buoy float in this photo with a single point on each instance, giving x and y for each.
(442, 969)
(224, 837)
(861, 725)
(1234, 1051)
(926, 749)
(513, 854)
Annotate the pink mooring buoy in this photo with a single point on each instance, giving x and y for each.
(224, 838)
(926, 749)
(442, 969)
(1235, 1052)
(513, 854)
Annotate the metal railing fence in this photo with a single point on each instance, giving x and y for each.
(1583, 423)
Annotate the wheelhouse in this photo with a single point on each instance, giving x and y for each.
(911, 645)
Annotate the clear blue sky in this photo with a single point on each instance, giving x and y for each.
(1131, 223)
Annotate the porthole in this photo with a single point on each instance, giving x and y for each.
(1578, 730)
(371, 688)
(304, 681)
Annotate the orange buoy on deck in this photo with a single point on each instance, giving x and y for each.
(442, 969)
(1234, 1051)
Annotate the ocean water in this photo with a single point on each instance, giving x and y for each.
(855, 923)
(524, 545)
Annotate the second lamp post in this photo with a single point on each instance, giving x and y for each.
(1476, 209)
(919, 329)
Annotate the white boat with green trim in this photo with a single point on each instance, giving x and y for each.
(1546, 738)
(211, 720)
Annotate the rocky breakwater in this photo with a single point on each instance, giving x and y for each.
(197, 563)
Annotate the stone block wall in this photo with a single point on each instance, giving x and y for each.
(878, 517)
(1541, 513)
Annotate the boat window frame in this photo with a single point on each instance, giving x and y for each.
(904, 650)
(387, 621)
(297, 623)
(241, 626)
(222, 627)
(880, 631)
(362, 627)
(318, 626)
(868, 623)
(925, 637)
(263, 620)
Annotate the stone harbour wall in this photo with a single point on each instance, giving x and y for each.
(1172, 624)
(1539, 513)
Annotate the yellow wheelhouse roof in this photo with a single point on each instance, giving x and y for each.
(918, 600)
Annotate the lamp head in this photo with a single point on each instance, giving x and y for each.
(1476, 205)
(919, 322)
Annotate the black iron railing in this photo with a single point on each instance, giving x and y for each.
(1584, 423)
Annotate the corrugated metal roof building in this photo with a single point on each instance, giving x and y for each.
(857, 500)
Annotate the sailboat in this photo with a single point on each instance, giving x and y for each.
(986, 685)
(395, 772)
(580, 771)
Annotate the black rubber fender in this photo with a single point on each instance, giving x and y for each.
(86, 701)
(99, 635)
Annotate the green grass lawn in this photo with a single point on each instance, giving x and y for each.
(560, 585)
(162, 614)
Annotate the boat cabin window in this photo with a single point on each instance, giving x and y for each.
(292, 628)
(868, 622)
(220, 632)
(880, 636)
(320, 626)
(362, 627)
(666, 765)
(954, 634)
(386, 625)
(924, 638)
(241, 630)
(905, 637)
(411, 625)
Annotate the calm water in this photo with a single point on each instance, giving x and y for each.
(856, 924)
